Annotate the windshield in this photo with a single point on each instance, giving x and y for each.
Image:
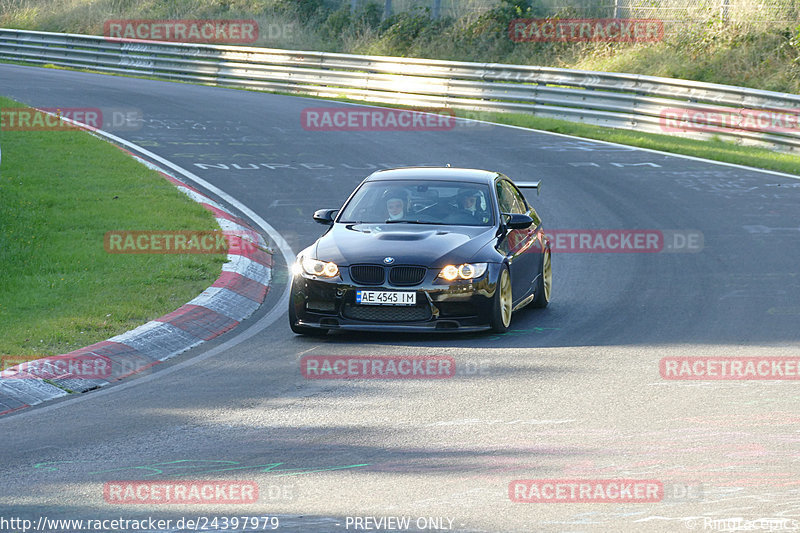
(420, 202)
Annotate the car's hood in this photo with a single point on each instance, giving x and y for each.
(429, 245)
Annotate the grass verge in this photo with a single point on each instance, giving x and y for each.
(60, 192)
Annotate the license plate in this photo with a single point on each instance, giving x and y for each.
(386, 298)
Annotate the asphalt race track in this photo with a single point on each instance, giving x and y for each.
(571, 392)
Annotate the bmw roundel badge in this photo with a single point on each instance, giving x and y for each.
(388, 260)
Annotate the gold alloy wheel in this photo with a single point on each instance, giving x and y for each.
(505, 297)
(547, 273)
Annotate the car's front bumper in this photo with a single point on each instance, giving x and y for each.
(441, 306)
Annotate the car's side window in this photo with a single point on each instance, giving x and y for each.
(519, 202)
(519, 199)
(510, 200)
(505, 200)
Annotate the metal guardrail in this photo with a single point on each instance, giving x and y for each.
(643, 103)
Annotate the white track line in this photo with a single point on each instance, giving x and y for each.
(272, 315)
(587, 139)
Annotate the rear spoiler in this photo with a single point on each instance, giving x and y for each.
(530, 185)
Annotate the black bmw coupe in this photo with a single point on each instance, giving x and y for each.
(423, 249)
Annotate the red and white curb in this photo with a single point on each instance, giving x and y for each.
(234, 296)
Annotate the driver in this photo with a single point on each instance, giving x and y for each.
(396, 202)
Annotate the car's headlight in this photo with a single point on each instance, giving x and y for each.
(316, 267)
(463, 271)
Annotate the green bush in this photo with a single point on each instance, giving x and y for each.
(302, 10)
(341, 25)
(749, 54)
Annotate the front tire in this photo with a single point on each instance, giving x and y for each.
(502, 303)
(545, 283)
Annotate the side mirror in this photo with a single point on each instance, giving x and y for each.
(518, 221)
(325, 216)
